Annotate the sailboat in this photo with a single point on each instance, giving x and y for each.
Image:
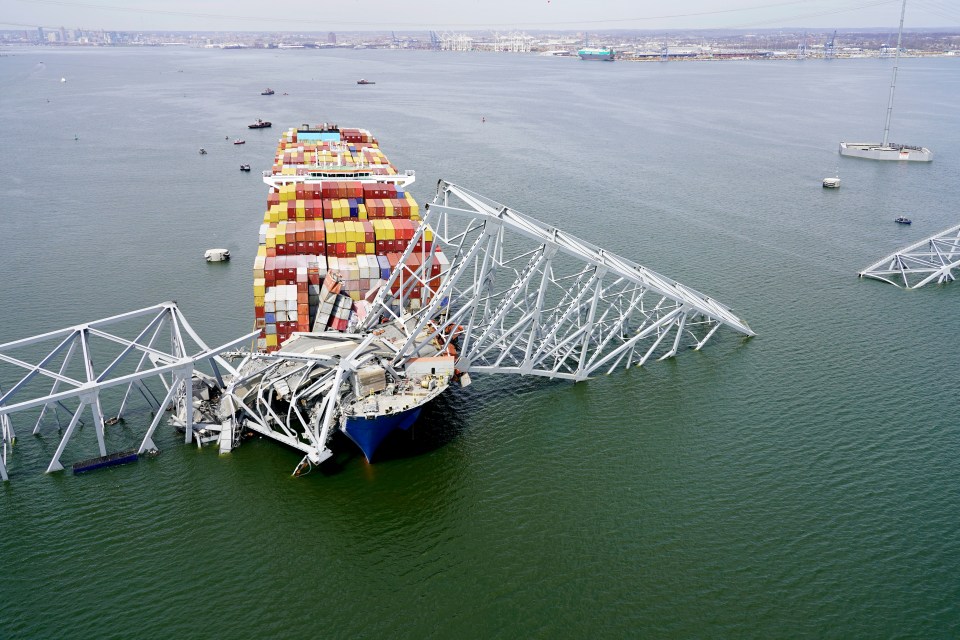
(887, 150)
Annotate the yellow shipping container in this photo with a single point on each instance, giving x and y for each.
(388, 207)
(361, 211)
(414, 207)
(271, 339)
(259, 287)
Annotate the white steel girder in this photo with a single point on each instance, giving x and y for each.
(158, 349)
(525, 298)
(933, 258)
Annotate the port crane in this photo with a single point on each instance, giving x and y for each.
(520, 298)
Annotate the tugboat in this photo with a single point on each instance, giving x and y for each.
(362, 81)
(260, 124)
(902, 220)
(203, 151)
(267, 92)
(239, 141)
(244, 167)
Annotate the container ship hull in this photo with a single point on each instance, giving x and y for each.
(369, 432)
(337, 220)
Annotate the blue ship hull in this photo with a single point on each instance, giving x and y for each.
(368, 433)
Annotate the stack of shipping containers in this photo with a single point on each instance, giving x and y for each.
(326, 243)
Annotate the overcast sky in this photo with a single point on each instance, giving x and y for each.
(465, 15)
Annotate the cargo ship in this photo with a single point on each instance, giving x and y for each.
(337, 220)
(591, 53)
(338, 217)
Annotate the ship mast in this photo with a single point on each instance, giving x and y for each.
(893, 82)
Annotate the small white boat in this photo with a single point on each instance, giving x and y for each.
(831, 183)
(216, 255)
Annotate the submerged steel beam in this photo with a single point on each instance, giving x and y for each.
(933, 258)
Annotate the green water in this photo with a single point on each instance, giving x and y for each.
(802, 483)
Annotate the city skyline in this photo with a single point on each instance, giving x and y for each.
(560, 15)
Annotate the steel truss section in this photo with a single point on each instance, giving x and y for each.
(308, 386)
(930, 259)
(50, 378)
(524, 298)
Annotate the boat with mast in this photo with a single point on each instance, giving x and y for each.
(887, 150)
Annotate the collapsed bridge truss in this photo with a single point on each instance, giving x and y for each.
(524, 298)
(931, 259)
(518, 297)
(62, 373)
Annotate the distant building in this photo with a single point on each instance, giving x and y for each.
(331, 38)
